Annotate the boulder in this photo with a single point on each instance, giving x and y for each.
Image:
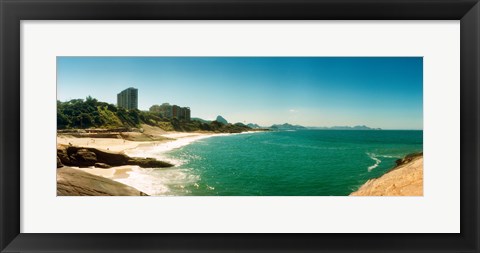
(148, 163)
(83, 158)
(110, 158)
(59, 163)
(408, 158)
(63, 155)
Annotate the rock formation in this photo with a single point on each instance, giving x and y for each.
(85, 157)
(74, 182)
(406, 179)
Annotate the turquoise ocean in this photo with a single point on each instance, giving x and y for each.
(279, 163)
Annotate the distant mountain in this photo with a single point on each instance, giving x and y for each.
(202, 120)
(252, 125)
(362, 127)
(286, 126)
(240, 124)
(221, 120)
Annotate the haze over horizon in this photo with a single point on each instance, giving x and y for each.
(379, 92)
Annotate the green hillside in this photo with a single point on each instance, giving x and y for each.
(91, 113)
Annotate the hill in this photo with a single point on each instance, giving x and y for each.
(253, 125)
(91, 113)
(221, 120)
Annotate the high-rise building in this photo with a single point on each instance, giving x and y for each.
(166, 110)
(187, 113)
(128, 99)
(176, 111)
(171, 111)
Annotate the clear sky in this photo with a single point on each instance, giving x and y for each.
(385, 92)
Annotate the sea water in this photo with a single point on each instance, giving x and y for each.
(278, 163)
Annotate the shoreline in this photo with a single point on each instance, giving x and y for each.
(404, 179)
(128, 174)
(123, 146)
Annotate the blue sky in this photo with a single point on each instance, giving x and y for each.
(385, 92)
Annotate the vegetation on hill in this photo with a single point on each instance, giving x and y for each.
(91, 113)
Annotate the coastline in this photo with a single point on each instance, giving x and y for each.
(405, 179)
(132, 175)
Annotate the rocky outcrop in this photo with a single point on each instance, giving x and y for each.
(148, 163)
(85, 157)
(62, 156)
(74, 182)
(408, 158)
(59, 163)
(405, 179)
(82, 157)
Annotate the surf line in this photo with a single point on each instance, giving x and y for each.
(377, 162)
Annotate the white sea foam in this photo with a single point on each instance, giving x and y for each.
(159, 181)
(377, 161)
(158, 150)
(153, 149)
(164, 181)
(389, 156)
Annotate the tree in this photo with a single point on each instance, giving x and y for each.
(62, 121)
(85, 120)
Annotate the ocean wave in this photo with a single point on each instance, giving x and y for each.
(377, 161)
(389, 156)
(164, 182)
(159, 150)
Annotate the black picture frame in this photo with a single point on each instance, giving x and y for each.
(13, 11)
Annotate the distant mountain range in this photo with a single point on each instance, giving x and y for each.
(252, 125)
(218, 119)
(286, 126)
(225, 122)
(362, 127)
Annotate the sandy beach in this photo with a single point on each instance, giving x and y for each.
(111, 173)
(121, 145)
(404, 180)
(110, 144)
(127, 174)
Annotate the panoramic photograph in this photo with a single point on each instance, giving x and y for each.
(239, 126)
